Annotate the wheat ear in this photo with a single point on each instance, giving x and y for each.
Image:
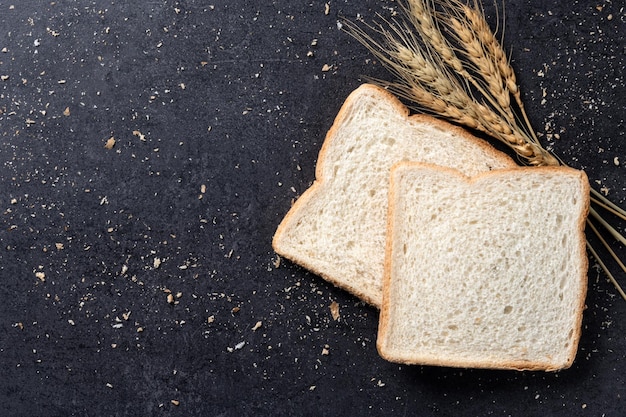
(448, 61)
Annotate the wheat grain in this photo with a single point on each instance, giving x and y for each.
(476, 18)
(493, 48)
(483, 65)
(420, 14)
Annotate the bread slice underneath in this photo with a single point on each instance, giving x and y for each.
(337, 227)
(488, 272)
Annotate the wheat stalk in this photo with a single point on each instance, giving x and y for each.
(447, 61)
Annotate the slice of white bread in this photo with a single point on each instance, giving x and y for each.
(337, 227)
(488, 272)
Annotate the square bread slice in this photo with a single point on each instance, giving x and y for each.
(484, 272)
(337, 227)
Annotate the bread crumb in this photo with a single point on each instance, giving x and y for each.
(110, 143)
(257, 326)
(170, 298)
(616, 161)
(326, 8)
(66, 112)
(334, 310)
(326, 68)
(210, 319)
(140, 135)
(156, 263)
(175, 402)
(41, 276)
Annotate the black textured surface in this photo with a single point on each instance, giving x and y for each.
(229, 112)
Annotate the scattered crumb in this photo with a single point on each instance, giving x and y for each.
(175, 402)
(326, 68)
(156, 263)
(170, 299)
(326, 350)
(334, 310)
(110, 143)
(616, 161)
(326, 8)
(210, 319)
(41, 276)
(140, 135)
(257, 326)
(66, 112)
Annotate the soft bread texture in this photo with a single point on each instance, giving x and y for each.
(488, 272)
(337, 227)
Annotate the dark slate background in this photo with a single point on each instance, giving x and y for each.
(229, 102)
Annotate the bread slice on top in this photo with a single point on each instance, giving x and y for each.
(337, 227)
(487, 272)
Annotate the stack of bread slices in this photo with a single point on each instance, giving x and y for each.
(472, 260)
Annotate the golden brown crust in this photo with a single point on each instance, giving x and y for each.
(512, 365)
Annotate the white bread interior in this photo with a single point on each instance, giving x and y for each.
(487, 272)
(337, 227)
